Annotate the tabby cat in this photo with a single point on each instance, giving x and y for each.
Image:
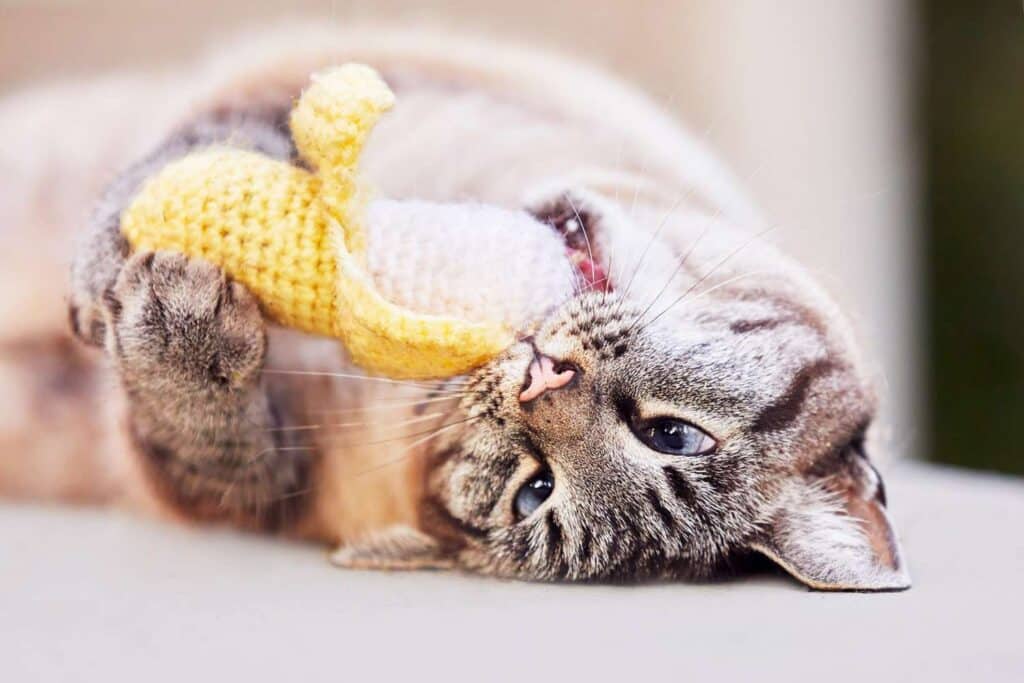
(698, 401)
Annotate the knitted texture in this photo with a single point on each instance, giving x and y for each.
(468, 260)
(296, 238)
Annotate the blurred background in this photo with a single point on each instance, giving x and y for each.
(971, 114)
(885, 138)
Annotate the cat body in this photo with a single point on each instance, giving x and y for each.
(701, 401)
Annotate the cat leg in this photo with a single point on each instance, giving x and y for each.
(188, 345)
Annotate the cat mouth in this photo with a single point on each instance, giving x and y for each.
(576, 227)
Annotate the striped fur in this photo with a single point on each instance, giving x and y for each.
(702, 321)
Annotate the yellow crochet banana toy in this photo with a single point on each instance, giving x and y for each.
(296, 238)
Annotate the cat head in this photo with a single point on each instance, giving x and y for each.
(709, 406)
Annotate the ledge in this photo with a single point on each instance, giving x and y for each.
(90, 594)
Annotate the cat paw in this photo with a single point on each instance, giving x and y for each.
(178, 323)
(397, 548)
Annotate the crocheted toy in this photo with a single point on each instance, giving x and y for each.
(408, 287)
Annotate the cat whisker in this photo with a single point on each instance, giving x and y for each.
(645, 165)
(223, 502)
(385, 405)
(335, 426)
(610, 271)
(577, 283)
(436, 388)
(241, 473)
(709, 290)
(415, 434)
(679, 266)
(647, 247)
(297, 428)
(428, 384)
(725, 283)
(746, 243)
(582, 227)
(292, 494)
(260, 473)
(277, 449)
(683, 195)
(651, 241)
(636, 194)
(410, 446)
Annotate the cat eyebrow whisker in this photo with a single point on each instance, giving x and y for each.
(650, 243)
(746, 243)
(644, 167)
(679, 266)
(709, 290)
(683, 195)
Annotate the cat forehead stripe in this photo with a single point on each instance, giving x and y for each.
(785, 410)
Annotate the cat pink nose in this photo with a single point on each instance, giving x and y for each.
(544, 377)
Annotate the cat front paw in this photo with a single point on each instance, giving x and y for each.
(177, 323)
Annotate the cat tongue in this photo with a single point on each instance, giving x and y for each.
(591, 272)
(471, 261)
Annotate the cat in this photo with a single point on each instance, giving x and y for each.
(699, 400)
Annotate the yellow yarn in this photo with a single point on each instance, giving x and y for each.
(296, 239)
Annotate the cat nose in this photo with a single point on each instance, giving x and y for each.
(545, 374)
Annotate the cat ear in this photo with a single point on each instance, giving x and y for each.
(832, 531)
(397, 548)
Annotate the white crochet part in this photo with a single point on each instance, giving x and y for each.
(472, 261)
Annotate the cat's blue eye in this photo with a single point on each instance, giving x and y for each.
(533, 493)
(675, 437)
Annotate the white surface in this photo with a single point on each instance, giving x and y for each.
(90, 595)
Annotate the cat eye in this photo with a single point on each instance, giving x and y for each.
(674, 437)
(533, 493)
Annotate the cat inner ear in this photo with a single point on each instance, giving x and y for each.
(832, 532)
(399, 548)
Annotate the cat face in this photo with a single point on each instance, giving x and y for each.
(626, 441)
